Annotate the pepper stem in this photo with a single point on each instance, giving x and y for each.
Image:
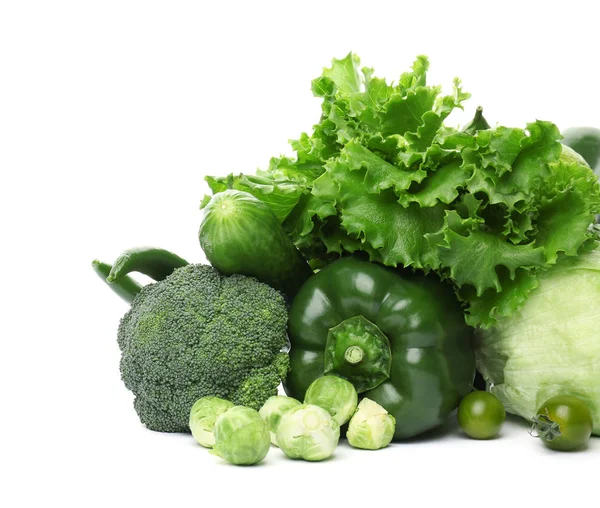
(354, 355)
(357, 350)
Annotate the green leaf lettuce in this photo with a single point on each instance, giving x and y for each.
(382, 174)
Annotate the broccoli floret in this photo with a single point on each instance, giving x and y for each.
(199, 333)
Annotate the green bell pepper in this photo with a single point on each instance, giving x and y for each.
(586, 142)
(401, 340)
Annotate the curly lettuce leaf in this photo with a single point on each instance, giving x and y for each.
(443, 186)
(474, 259)
(486, 308)
(566, 200)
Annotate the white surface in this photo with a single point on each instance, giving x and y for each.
(112, 112)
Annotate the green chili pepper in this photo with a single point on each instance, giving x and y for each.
(155, 263)
(400, 340)
(125, 287)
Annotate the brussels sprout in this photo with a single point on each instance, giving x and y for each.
(241, 436)
(335, 394)
(308, 432)
(371, 427)
(203, 415)
(272, 411)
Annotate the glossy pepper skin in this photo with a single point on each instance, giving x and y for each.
(402, 341)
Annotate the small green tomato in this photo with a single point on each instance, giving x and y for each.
(272, 411)
(308, 432)
(241, 436)
(334, 394)
(481, 415)
(203, 415)
(371, 427)
(563, 423)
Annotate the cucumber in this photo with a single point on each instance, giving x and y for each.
(241, 234)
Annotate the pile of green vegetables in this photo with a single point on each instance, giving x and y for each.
(308, 431)
(371, 274)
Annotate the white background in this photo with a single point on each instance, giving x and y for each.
(112, 112)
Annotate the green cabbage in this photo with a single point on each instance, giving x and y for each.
(552, 345)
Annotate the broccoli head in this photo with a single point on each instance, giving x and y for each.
(199, 333)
